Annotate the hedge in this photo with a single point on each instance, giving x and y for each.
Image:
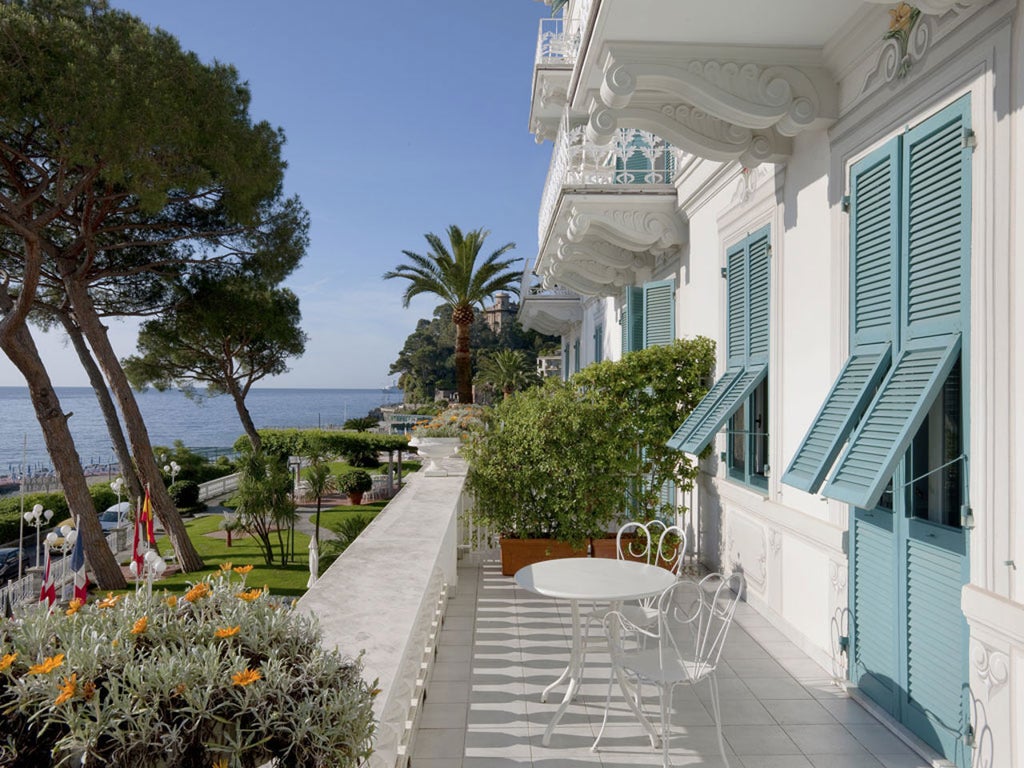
(303, 442)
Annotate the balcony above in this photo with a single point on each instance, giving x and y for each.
(547, 310)
(557, 44)
(608, 212)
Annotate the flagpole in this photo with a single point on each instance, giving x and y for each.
(21, 515)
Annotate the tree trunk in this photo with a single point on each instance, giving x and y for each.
(107, 407)
(245, 417)
(96, 334)
(463, 364)
(20, 348)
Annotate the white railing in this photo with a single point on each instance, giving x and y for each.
(222, 486)
(578, 162)
(19, 592)
(554, 45)
(395, 579)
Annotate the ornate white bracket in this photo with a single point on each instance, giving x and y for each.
(993, 667)
(933, 7)
(718, 107)
(628, 228)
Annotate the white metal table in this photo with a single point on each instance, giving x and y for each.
(589, 579)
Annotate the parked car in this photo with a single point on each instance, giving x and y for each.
(9, 563)
(114, 514)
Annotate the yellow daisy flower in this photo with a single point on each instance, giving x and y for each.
(242, 569)
(74, 606)
(249, 595)
(109, 601)
(67, 690)
(47, 665)
(7, 660)
(199, 591)
(223, 632)
(140, 626)
(245, 677)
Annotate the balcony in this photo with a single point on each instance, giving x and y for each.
(547, 310)
(461, 655)
(608, 212)
(558, 43)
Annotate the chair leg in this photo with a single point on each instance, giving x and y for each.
(716, 711)
(666, 696)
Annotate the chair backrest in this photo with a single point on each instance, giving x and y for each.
(637, 541)
(694, 620)
(672, 548)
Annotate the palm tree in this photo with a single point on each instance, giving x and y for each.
(507, 370)
(455, 277)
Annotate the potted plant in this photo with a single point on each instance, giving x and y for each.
(354, 482)
(544, 477)
(440, 437)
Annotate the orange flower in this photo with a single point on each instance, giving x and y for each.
(220, 762)
(67, 690)
(245, 677)
(178, 689)
(242, 569)
(74, 606)
(249, 595)
(7, 660)
(199, 591)
(172, 601)
(223, 632)
(88, 690)
(47, 665)
(140, 626)
(225, 567)
(109, 601)
(899, 17)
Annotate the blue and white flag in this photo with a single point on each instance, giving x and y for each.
(78, 567)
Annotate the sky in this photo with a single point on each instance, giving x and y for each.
(401, 118)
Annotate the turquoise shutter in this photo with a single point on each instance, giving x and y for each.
(890, 424)
(935, 236)
(659, 313)
(565, 362)
(874, 232)
(758, 281)
(936, 230)
(632, 319)
(719, 390)
(844, 405)
(696, 433)
(599, 344)
(736, 307)
(576, 356)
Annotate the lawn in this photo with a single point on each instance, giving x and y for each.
(281, 580)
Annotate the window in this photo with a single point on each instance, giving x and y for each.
(740, 396)
(648, 316)
(576, 356)
(598, 343)
(909, 230)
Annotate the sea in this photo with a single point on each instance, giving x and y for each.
(210, 425)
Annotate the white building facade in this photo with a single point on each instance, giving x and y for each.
(832, 191)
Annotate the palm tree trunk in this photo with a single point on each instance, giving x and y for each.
(20, 348)
(96, 334)
(106, 404)
(463, 363)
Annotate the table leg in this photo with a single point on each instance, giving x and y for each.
(574, 672)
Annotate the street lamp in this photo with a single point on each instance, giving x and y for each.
(174, 468)
(38, 516)
(117, 486)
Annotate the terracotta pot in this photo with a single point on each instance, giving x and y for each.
(517, 553)
(356, 497)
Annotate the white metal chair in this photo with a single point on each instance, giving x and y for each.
(646, 545)
(683, 648)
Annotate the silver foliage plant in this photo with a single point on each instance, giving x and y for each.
(224, 676)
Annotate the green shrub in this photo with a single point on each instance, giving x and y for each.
(102, 496)
(224, 675)
(354, 481)
(184, 494)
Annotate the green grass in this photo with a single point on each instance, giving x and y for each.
(281, 580)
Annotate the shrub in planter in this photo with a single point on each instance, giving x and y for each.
(222, 676)
(354, 482)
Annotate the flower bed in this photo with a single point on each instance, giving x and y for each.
(223, 676)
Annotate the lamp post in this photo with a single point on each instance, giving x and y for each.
(38, 516)
(174, 468)
(117, 486)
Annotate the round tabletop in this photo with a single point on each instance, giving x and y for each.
(594, 578)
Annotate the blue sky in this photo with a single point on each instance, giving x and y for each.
(401, 118)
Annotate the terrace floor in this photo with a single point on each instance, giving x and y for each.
(501, 645)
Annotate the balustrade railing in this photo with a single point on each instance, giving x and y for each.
(632, 157)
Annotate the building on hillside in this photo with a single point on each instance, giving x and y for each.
(500, 313)
(828, 189)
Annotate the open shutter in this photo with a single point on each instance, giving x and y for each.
(717, 407)
(659, 313)
(736, 309)
(874, 232)
(632, 319)
(902, 403)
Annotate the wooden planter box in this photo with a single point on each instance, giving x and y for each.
(517, 553)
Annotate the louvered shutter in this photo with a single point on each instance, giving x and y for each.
(565, 363)
(659, 313)
(632, 319)
(736, 306)
(576, 356)
(758, 272)
(934, 240)
(874, 233)
(599, 344)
